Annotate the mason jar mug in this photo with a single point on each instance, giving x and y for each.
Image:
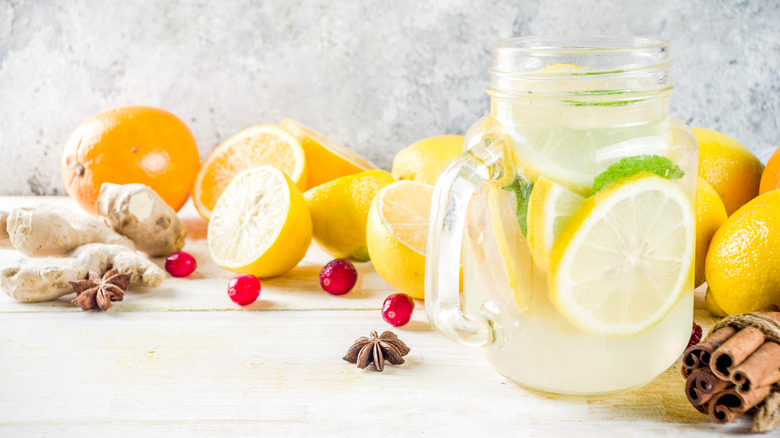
(572, 215)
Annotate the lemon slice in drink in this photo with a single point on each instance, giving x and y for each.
(510, 242)
(396, 234)
(260, 224)
(625, 257)
(550, 207)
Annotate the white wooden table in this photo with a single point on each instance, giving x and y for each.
(182, 359)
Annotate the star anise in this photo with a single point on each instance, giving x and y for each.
(98, 292)
(377, 349)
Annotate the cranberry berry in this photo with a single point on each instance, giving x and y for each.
(244, 289)
(338, 277)
(397, 309)
(695, 335)
(180, 264)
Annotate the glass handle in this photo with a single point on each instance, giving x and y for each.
(451, 196)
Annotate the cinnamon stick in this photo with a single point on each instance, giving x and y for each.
(697, 356)
(762, 368)
(702, 385)
(734, 351)
(730, 404)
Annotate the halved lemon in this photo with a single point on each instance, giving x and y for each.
(550, 207)
(511, 244)
(263, 145)
(396, 234)
(260, 225)
(625, 257)
(327, 160)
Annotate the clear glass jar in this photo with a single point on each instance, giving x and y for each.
(573, 212)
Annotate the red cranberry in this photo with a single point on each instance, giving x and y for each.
(338, 277)
(244, 289)
(180, 264)
(695, 335)
(397, 309)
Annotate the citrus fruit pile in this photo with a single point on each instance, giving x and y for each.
(738, 230)
(253, 190)
(268, 191)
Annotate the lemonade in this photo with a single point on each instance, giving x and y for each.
(578, 234)
(540, 346)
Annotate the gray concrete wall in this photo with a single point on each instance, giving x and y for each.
(374, 75)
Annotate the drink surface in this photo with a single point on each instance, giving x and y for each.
(549, 336)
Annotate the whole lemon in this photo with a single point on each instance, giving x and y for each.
(710, 215)
(424, 160)
(743, 262)
(131, 144)
(732, 170)
(339, 210)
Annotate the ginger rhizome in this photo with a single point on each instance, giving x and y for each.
(37, 279)
(64, 246)
(138, 212)
(50, 231)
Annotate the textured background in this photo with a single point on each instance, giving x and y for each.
(374, 75)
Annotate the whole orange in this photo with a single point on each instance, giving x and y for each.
(131, 144)
(770, 179)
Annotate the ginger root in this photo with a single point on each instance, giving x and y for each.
(138, 212)
(50, 231)
(5, 239)
(48, 278)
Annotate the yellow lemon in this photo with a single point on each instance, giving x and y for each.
(264, 145)
(710, 215)
(397, 231)
(326, 160)
(732, 170)
(260, 225)
(712, 306)
(743, 262)
(624, 258)
(550, 207)
(424, 160)
(339, 210)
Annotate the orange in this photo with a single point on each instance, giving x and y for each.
(732, 170)
(131, 144)
(770, 179)
(326, 160)
(263, 145)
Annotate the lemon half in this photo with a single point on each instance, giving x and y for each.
(625, 257)
(260, 225)
(263, 145)
(397, 232)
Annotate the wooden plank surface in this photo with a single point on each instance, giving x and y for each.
(182, 359)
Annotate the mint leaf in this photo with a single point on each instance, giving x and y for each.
(521, 187)
(628, 166)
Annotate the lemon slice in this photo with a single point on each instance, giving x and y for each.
(511, 244)
(264, 145)
(327, 159)
(396, 234)
(625, 257)
(550, 207)
(260, 225)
